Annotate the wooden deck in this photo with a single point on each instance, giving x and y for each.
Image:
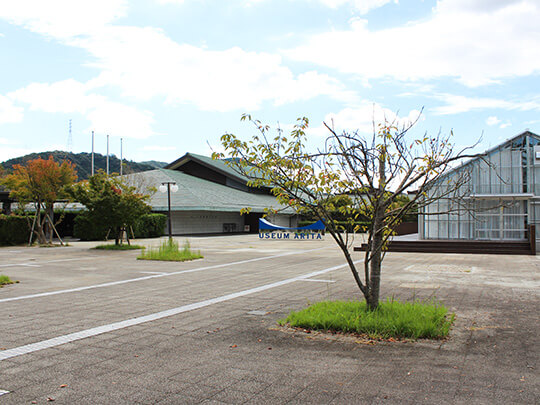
(460, 246)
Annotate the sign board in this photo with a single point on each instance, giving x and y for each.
(314, 231)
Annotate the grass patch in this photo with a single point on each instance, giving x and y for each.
(5, 280)
(170, 251)
(107, 246)
(393, 319)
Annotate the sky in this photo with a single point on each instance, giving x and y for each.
(172, 76)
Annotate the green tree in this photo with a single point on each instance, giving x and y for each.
(380, 168)
(111, 203)
(40, 182)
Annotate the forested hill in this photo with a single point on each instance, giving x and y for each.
(83, 162)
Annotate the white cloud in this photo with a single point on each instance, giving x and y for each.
(71, 96)
(362, 118)
(456, 104)
(476, 41)
(66, 96)
(492, 121)
(362, 6)
(9, 113)
(145, 63)
(12, 152)
(170, 1)
(121, 120)
(62, 18)
(505, 125)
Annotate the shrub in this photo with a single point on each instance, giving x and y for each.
(150, 226)
(14, 229)
(85, 229)
(348, 226)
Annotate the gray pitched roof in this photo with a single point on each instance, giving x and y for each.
(195, 194)
(218, 165)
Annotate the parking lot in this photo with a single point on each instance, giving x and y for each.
(99, 327)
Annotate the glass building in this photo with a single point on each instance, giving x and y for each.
(492, 197)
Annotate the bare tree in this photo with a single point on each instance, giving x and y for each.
(375, 172)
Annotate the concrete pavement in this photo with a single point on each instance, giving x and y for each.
(99, 327)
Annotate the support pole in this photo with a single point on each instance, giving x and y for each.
(107, 155)
(92, 153)
(121, 157)
(169, 212)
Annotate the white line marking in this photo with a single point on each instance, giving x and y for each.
(60, 340)
(153, 272)
(320, 281)
(131, 280)
(2, 392)
(46, 262)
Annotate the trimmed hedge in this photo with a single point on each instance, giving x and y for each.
(85, 229)
(150, 226)
(147, 226)
(349, 227)
(14, 229)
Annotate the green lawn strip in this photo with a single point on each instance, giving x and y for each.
(118, 247)
(170, 251)
(5, 280)
(393, 319)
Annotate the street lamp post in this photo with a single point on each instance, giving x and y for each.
(169, 186)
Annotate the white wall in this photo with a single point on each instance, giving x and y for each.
(193, 222)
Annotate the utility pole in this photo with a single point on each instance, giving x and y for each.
(107, 154)
(121, 157)
(92, 153)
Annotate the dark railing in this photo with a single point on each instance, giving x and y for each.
(531, 230)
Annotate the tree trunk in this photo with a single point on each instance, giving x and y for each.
(375, 260)
(49, 223)
(40, 234)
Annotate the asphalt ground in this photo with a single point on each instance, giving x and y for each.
(99, 327)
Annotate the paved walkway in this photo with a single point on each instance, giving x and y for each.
(94, 327)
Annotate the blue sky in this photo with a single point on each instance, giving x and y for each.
(172, 76)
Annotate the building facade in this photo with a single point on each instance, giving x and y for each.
(210, 197)
(492, 197)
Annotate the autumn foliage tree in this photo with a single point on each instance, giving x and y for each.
(40, 182)
(111, 202)
(373, 171)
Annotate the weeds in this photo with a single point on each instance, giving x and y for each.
(393, 318)
(170, 251)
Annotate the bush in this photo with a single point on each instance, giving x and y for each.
(85, 229)
(348, 226)
(14, 229)
(150, 226)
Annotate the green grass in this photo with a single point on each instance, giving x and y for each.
(169, 251)
(393, 319)
(5, 280)
(108, 246)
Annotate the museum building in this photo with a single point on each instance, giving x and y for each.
(210, 196)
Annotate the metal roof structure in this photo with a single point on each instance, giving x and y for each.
(197, 194)
(216, 165)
